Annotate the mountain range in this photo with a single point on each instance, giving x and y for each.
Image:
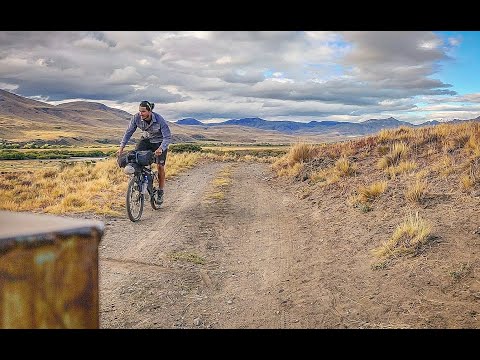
(318, 127)
(83, 122)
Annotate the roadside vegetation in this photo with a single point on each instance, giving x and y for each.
(219, 184)
(76, 187)
(92, 186)
(404, 167)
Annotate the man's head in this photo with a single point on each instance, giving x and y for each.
(145, 109)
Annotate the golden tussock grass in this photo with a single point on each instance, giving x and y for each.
(333, 174)
(76, 187)
(400, 133)
(291, 171)
(472, 146)
(398, 151)
(407, 238)
(472, 178)
(445, 166)
(416, 192)
(369, 193)
(46, 134)
(176, 163)
(319, 176)
(292, 162)
(344, 167)
(402, 167)
(466, 182)
(301, 152)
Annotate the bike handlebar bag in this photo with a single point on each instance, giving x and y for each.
(144, 157)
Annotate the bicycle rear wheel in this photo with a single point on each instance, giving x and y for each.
(135, 200)
(153, 195)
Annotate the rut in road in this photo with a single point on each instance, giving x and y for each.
(199, 262)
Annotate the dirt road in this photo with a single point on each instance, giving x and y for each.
(199, 262)
(260, 258)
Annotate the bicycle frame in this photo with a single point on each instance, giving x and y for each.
(135, 193)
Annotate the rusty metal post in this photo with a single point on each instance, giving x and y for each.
(48, 271)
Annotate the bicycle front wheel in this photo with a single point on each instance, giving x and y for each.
(153, 194)
(135, 200)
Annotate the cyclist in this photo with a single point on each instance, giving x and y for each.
(156, 137)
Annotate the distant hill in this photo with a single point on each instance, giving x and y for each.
(314, 127)
(339, 128)
(189, 121)
(25, 120)
(91, 107)
(321, 127)
(80, 112)
(79, 122)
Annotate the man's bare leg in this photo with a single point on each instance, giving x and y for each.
(161, 176)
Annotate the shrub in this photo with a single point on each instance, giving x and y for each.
(177, 148)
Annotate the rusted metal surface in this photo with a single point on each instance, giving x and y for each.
(48, 271)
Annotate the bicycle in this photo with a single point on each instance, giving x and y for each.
(141, 184)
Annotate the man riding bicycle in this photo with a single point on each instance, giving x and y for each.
(156, 137)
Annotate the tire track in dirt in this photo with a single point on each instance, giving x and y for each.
(263, 258)
(129, 284)
(157, 228)
(259, 237)
(241, 264)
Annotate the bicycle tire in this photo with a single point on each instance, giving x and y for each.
(132, 192)
(153, 195)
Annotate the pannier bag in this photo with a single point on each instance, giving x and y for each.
(123, 160)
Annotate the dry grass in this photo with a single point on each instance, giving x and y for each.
(46, 134)
(76, 187)
(176, 163)
(445, 166)
(344, 167)
(472, 177)
(292, 162)
(187, 257)
(301, 152)
(433, 154)
(472, 146)
(228, 156)
(400, 133)
(340, 169)
(401, 168)
(407, 238)
(369, 193)
(60, 187)
(220, 184)
(416, 192)
(466, 182)
(398, 151)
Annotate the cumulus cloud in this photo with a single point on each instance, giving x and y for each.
(127, 75)
(214, 74)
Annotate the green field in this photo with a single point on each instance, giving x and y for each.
(31, 165)
(31, 159)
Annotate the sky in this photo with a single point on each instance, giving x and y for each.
(413, 76)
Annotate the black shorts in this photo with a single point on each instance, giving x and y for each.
(145, 144)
